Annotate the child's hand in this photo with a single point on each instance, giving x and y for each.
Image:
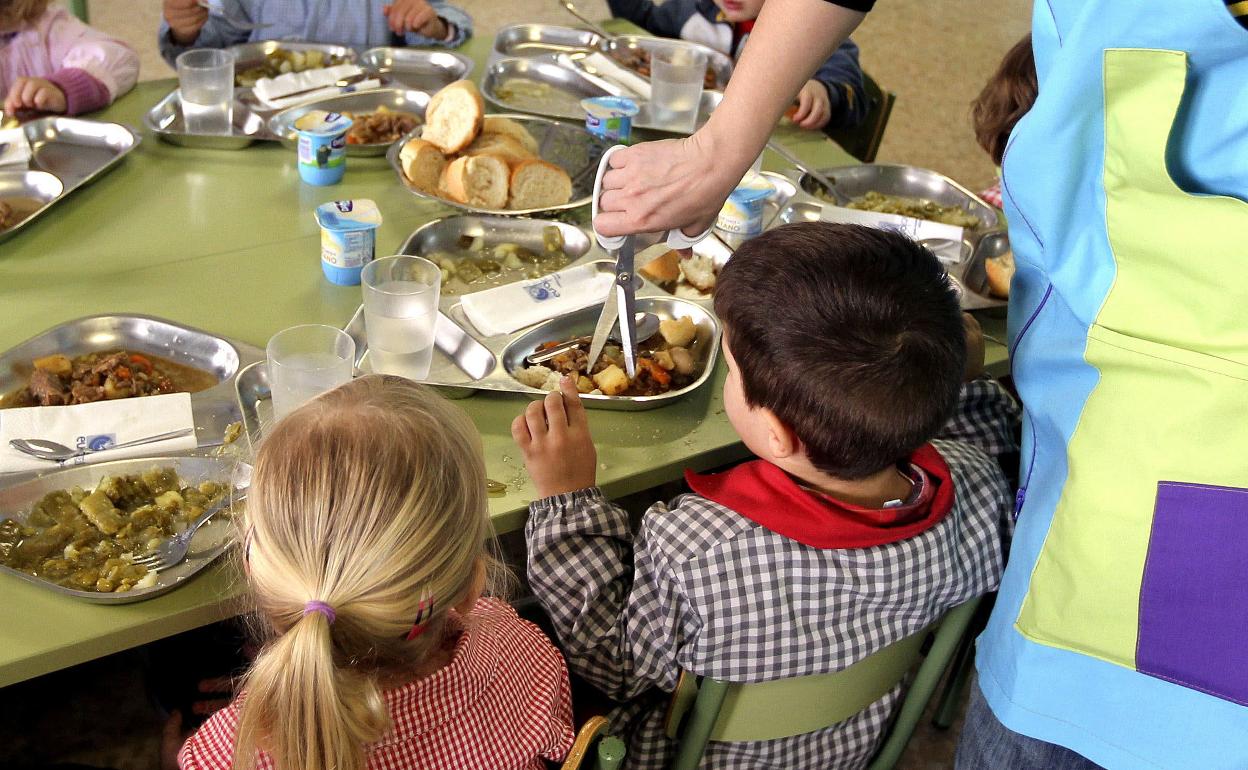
(974, 347)
(553, 435)
(185, 18)
(34, 94)
(814, 109)
(414, 16)
(171, 740)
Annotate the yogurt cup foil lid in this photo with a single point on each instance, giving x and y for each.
(323, 122)
(348, 216)
(610, 107)
(753, 188)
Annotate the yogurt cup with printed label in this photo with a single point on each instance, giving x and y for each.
(322, 146)
(742, 213)
(610, 117)
(348, 238)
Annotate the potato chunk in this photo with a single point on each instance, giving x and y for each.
(99, 510)
(679, 332)
(612, 380)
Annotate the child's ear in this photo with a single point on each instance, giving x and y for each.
(781, 439)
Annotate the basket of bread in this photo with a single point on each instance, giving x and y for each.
(495, 164)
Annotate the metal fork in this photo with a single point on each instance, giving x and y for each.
(243, 26)
(174, 550)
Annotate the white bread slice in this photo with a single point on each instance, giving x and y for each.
(509, 127)
(506, 147)
(454, 117)
(477, 180)
(537, 184)
(423, 165)
(699, 272)
(1000, 271)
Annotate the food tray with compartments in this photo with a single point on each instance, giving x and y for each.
(74, 151)
(213, 409)
(282, 125)
(417, 69)
(212, 540)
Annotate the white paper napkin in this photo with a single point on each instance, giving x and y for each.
(945, 241)
(318, 83)
(609, 69)
(126, 419)
(14, 148)
(517, 305)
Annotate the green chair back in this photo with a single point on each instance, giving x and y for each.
(79, 9)
(863, 141)
(723, 711)
(593, 749)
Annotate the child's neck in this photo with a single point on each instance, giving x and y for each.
(873, 491)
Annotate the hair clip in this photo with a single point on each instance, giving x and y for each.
(321, 607)
(423, 613)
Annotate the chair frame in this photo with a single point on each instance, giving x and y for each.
(79, 9)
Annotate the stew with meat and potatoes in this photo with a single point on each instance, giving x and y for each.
(58, 380)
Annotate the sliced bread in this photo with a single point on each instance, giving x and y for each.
(509, 127)
(506, 147)
(1000, 272)
(663, 269)
(699, 272)
(537, 184)
(423, 165)
(477, 180)
(454, 117)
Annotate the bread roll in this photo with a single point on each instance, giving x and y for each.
(477, 180)
(509, 127)
(699, 271)
(454, 117)
(663, 269)
(1000, 271)
(506, 147)
(537, 184)
(423, 165)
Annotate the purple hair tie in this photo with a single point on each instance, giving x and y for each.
(321, 607)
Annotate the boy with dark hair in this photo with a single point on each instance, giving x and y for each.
(875, 506)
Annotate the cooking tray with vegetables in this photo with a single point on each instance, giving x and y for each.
(75, 531)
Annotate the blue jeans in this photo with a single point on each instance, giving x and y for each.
(986, 744)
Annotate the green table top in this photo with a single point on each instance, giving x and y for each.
(226, 241)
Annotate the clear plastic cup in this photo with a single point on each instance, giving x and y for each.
(305, 361)
(400, 313)
(206, 87)
(677, 74)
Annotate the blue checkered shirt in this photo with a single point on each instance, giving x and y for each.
(701, 588)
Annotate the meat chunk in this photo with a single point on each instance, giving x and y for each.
(84, 393)
(47, 388)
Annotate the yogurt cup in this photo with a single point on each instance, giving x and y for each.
(742, 213)
(348, 238)
(322, 146)
(610, 117)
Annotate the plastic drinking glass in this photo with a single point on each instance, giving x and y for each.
(305, 361)
(677, 74)
(206, 86)
(400, 313)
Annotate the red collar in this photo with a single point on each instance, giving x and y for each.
(764, 494)
(745, 27)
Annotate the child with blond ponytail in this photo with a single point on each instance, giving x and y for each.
(367, 552)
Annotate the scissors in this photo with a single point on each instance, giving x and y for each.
(623, 309)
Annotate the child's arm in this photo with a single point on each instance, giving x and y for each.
(841, 75)
(619, 612)
(665, 20)
(428, 22)
(209, 31)
(986, 416)
(94, 68)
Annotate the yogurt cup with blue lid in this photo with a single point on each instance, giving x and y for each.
(348, 238)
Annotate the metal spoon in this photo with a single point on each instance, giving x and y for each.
(814, 174)
(647, 327)
(51, 450)
(594, 26)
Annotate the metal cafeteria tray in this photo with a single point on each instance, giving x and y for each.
(164, 120)
(461, 360)
(418, 69)
(39, 186)
(213, 409)
(567, 87)
(968, 273)
(210, 541)
(719, 63)
(910, 181)
(570, 147)
(282, 125)
(248, 55)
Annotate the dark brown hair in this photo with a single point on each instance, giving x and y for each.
(852, 336)
(14, 13)
(1006, 97)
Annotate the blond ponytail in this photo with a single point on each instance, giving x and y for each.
(367, 510)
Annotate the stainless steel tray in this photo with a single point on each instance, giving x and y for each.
(164, 120)
(210, 541)
(282, 125)
(571, 147)
(719, 63)
(567, 87)
(974, 279)
(248, 55)
(74, 150)
(462, 360)
(213, 409)
(418, 69)
(910, 181)
(39, 185)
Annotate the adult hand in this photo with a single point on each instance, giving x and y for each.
(974, 347)
(553, 435)
(417, 16)
(34, 94)
(814, 108)
(185, 19)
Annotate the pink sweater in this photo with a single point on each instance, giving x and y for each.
(89, 66)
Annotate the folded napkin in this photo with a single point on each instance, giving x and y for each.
(517, 305)
(608, 68)
(14, 148)
(97, 424)
(309, 85)
(945, 241)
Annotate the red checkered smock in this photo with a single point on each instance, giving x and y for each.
(502, 702)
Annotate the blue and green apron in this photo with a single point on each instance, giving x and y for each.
(1121, 630)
